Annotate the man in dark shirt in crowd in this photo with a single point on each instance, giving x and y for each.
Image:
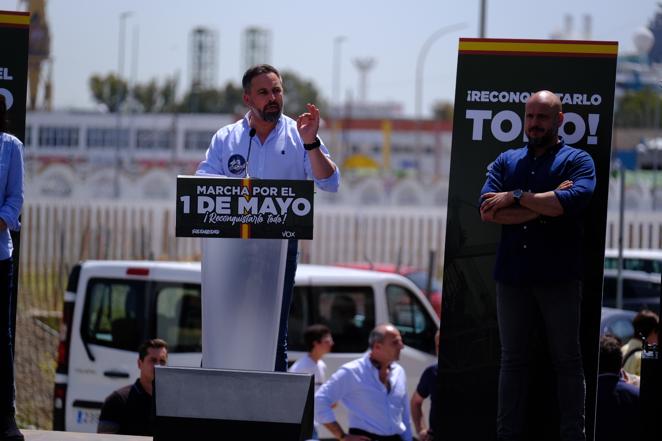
(128, 411)
(539, 193)
(427, 387)
(619, 414)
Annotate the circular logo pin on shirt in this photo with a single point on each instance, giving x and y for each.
(237, 165)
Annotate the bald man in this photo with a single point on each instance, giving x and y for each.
(539, 193)
(373, 389)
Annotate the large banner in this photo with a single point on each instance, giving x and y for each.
(494, 80)
(14, 33)
(244, 208)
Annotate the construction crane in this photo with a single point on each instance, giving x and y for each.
(39, 55)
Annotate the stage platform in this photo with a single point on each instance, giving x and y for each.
(43, 435)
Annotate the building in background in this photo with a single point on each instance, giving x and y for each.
(74, 155)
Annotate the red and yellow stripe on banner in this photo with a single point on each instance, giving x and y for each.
(543, 48)
(10, 19)
(246, 228)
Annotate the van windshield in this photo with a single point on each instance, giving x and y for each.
(121, 314)
(115, 313)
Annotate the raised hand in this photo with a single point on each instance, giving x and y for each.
(308, 124)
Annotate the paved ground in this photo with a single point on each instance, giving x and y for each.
(42, 435)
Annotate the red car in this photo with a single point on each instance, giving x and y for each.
(419, 277)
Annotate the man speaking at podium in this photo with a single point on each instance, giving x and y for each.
(266, 144)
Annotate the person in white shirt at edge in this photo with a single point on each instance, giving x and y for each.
(373, 389)
(267, 144)
(318, 341)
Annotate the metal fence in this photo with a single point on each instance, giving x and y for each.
(55, 235)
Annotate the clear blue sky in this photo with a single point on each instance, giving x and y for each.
(85, 38)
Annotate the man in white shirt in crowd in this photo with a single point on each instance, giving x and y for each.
(319, 342)
(373, 389)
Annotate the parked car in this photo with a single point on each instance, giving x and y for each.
(648, 261)
(617, 322)
(640, 290)
(110, 307)
(418, 276)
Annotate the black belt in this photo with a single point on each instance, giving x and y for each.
(374, 437)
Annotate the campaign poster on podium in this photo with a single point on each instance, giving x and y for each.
(495, 77)
(244, 208)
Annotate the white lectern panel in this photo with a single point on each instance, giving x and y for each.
(242, 291)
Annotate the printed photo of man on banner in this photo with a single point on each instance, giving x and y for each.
(531, 142)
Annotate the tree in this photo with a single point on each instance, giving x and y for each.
(443, 110)
(155, 98)
(639, 109)
(233, 98)
(298, 93)
(168, 95)
(147, 95)
(109, 91)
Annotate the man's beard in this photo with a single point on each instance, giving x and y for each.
(272, 115)
(547, 138)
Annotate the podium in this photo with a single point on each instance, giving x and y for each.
(219, 404)
(245, 225)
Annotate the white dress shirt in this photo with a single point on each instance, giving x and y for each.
(371, 407)
(282, 156)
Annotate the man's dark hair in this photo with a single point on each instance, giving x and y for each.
(3, 113)
(255, 71)
(155, 343)
(315, 333)
(644, 323)
(611, 357)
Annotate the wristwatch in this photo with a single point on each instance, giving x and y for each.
(517, 195)
(313, 145)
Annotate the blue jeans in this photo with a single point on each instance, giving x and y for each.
(559, 305)
(7, 389)
(288, 287)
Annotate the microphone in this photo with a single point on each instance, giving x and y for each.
(251, 134)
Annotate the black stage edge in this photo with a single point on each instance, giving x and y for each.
(216, 404)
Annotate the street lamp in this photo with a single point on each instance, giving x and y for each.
(420, 61)
(120, 73)
(335, 87)
(483, 13)
(418, 83)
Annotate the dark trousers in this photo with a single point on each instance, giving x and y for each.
(374, 437)
(559, 305)
(288, 287)
(7, 390)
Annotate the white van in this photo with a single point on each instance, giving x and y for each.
(648, 261)
(110, 307)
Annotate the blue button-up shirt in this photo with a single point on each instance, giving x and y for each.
(11, 183)
(282, 155)
(545, 249)
(371, 407)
